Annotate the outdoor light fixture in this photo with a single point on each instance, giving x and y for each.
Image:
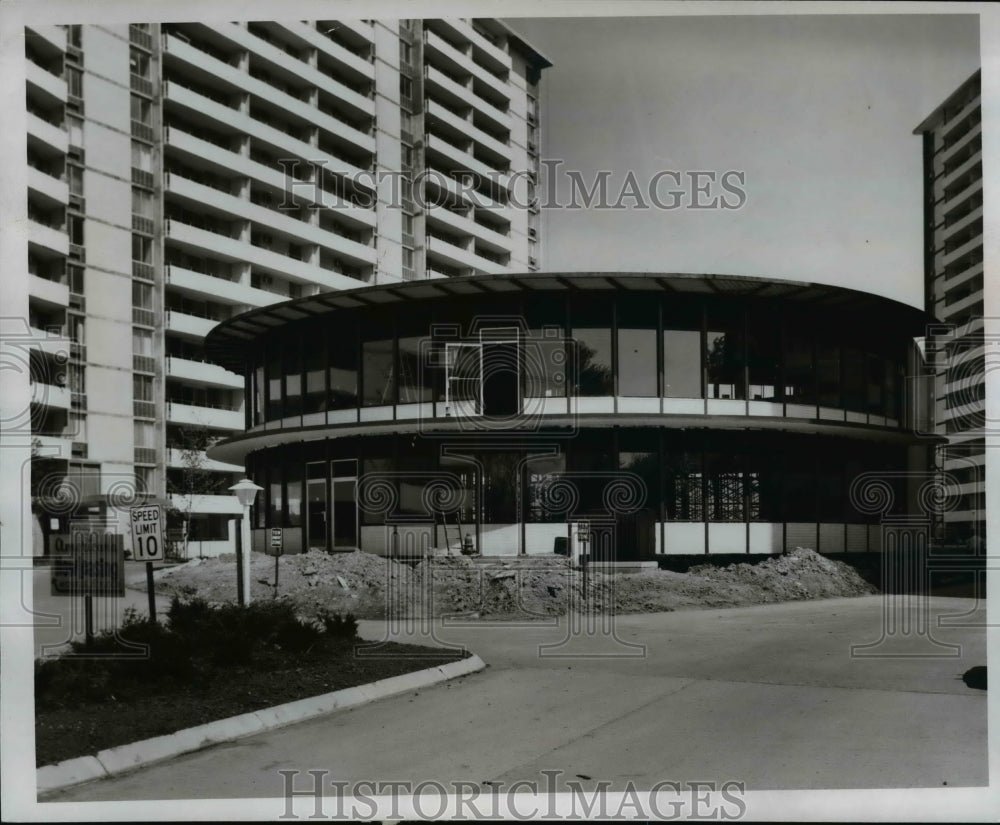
(246, 492)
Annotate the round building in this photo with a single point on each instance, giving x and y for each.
(625, 415)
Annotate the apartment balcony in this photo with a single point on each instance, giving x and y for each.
(46, 137)
(203, 504)
(467, 226)
(46, 189)
(43, 86)
(955, 174)
(439, 48)
(279, 221)
(945, 232)
(439, 84)
(455, 158)
(944, 155)
(969, 301)
(464, 127)
(54, 344)
(48, 40)
(213, 418)
(486, 50)
(208, 287)
(53, 446)
(942, 259)
(456, 256)
(202, 373)
(462, 193)
(188, 326)
(48, 293)
(945, 130)
(50, 395)
(176, 458)
(50, 240)
(358, 104)
(345, 60)
(958, 197)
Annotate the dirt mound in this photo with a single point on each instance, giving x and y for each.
(371, 586)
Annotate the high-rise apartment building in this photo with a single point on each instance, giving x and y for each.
(181, 174)
(953, 269)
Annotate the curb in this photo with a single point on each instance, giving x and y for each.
(122, 758)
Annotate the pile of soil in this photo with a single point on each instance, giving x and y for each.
(371, 586)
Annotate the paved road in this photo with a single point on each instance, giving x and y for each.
(766, 695)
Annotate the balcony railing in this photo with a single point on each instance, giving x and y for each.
(141, 130)
(142, 85)
(140, 37)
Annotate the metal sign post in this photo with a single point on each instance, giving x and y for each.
(276, 546)
(147, 544)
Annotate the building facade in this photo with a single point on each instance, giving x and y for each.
(181, 174)
(953, 269)
(669, 414)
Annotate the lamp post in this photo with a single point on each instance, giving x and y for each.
(246, 492)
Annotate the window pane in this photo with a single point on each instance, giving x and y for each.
(314, 356)
(292, 372)
(800, 374)
(876, 385)
(591, 369)
(543, 472)
(415, 382)
(855, 380)
(275, 508)
(828, 370)
(378, 378)
(764, 355)
(681, 363)
(501, 486)
(682, 494)
(343, 365)
(545, 350)
(637, 368)
(293, 496)
(724, 486)
(725, 353)
(258, 396)
(273, 380)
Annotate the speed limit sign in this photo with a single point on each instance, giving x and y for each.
(147, 532)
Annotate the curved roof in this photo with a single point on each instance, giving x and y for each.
(226, 343)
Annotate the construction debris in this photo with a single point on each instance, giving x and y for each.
(371, 586)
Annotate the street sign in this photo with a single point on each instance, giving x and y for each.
(147, 532)
(88, 564)
(276, 538)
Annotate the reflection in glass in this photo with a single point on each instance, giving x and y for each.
(724, 486)
(724, 354)
(378, 377)
(314, 357)
(273, 381)
(292, 368)
(637, 323)
(828, 371)
(343, 365)
(764, 356)
(591, 370)
(681, 359)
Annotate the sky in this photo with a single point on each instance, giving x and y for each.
(816, 111)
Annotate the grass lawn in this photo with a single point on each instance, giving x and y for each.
(209, 664)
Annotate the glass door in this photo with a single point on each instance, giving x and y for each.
(316, 519)
(344, 489)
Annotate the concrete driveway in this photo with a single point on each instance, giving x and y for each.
(769, 696)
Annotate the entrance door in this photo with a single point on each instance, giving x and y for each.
(316, 520)
(344, 503)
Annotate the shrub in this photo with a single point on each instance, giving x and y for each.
(337, 626)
